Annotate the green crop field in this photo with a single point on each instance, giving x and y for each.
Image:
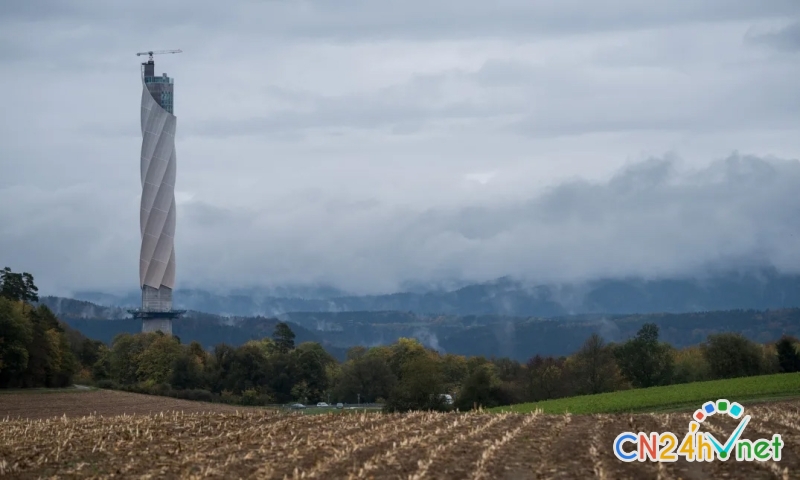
(672, 397)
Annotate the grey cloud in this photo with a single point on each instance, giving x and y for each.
(361, 19)
(650, 219)
(537, 101)
(406, 108)
(787, 38)
(321, 155)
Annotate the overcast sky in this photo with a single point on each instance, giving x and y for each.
(365, 144)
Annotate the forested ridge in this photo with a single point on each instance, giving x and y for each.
(489, 335)
(718, 289)
(37, 350)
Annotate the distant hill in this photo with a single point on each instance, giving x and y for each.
(754, 289)
(104, 323)
(488, 335)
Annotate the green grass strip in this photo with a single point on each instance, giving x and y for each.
(672, 397)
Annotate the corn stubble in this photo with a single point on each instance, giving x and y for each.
(271, 444)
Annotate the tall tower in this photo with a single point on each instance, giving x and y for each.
(157, 214)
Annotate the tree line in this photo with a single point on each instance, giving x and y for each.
(37, 350)
(34, 349)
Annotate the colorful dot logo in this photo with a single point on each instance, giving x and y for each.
(734, 410)
(697, 445)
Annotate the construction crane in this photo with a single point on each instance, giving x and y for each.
(158, 52)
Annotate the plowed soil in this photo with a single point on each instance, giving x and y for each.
(255, 443)
(99, 402)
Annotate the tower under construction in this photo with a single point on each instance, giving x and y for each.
(157, 214)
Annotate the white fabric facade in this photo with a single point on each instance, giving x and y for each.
(157, 215)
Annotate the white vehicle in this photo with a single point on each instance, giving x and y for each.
(448, 399)
(322, 404)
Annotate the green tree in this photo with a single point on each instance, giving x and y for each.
(480, 389)
(101, 370)
(545, 378)
(195, 350)
(267, 346)
(732, 355)
(788, 356)
(454, 371)
(50, 359)
(249, 369)
(18, 286)
(419, 388)
(356, 352)
(690, 366)
(89, 352)
(311, 367)
(403, 351)
(186, 372)
(156, 361)
(367, 377)
(283, 337)
(123, 359)
(643, 360)
(221, 366)
(16, 333)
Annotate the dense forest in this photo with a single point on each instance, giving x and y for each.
(37, 350)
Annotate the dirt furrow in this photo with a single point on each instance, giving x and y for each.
(722, 426)
(163, 444)
(350, 456)
(528, 455)
(258, 444)
(614, 467)
(402, 459)
(456, 458)
(596, 448)
(101, 402)
(492, 451)
(326, 441)
(789, 464)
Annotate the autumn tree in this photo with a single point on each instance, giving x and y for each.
(157, 360)
(367, 377)
(732, 355)
(124, 355)
(419, 387)
(595, 370)
(545, 378)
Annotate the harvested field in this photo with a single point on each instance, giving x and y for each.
(271, 444)
(101, 402)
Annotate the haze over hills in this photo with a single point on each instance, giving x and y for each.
(501, 318)
(749, 289)
(489, 335)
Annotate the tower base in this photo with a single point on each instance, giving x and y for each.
(157, 321)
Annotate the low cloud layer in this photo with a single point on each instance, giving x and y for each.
(371, 146)
(651, 219)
